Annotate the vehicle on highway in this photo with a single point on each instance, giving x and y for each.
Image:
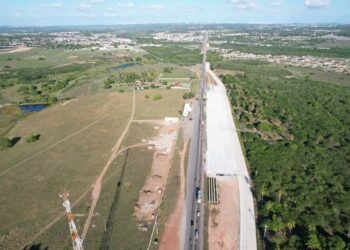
(196, 234)
(199, 195)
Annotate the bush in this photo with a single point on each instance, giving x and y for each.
(5, 143)
(157, 97)
(188, 95)
(167, 70)
(121, 90)
(107, 85)
(41, 58)
(147, 96)
(52, 100)
(33, 138)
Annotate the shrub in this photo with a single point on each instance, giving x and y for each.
(188, 95)
(5, 143)
(121, 90)
(147, 96)
(167, 70)
(157, 97)
(107, 85)
(52, 100)
(33, 138)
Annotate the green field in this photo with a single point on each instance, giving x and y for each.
(76, 136)
(295, 132)
(75, 142)
(170, 103)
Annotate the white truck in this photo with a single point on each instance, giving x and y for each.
(199, 195)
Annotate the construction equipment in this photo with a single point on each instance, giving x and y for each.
(76, 240)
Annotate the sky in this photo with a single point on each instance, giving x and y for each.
(108, 12)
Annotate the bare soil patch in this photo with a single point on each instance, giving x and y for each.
(151, 192)
(171, 237)
(223, 228)
(18, 49)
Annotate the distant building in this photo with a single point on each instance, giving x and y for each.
(179, 85)
(187, 110)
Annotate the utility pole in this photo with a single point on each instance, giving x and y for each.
(265, 230)
(77, 242)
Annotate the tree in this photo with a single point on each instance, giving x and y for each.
(291, 225)
(313, 242)
(33, 138)
(5, 143)
(268, 206)
(263, 192)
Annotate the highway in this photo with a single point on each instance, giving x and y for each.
(194, 220)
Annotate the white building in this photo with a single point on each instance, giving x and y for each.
(187, 110)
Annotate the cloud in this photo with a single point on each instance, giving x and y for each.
(244, 4)
(55, 5)
(274, 4)
(96, 1)
(134, 7)
(317, 4)
(156, 7)
(190, 8)
(84, 7)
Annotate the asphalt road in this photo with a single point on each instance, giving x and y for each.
(194, 221)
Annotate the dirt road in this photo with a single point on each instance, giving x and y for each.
(97, 185)
(171, 238)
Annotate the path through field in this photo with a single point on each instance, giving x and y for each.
(97, 185)
(171, 238)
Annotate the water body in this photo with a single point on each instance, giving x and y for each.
(32, 107)
(124, 66)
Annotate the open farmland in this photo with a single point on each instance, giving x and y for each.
(170, 103)
(76, 136)
(75, 141)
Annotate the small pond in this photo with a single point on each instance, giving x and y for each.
(124, 66)
(32, 107)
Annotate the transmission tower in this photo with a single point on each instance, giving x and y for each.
(76, 240)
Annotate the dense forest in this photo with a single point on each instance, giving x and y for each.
(296, 133)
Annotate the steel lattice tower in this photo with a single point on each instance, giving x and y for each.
(76, 240)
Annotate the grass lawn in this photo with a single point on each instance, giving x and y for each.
(122, 232)
(55, 57)
(10, 95)
(9, 115)
(319, 75)
(169, 105)
(138, 132)
(31, 188)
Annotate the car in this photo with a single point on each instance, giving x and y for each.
(198, 213)
(196, 234)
